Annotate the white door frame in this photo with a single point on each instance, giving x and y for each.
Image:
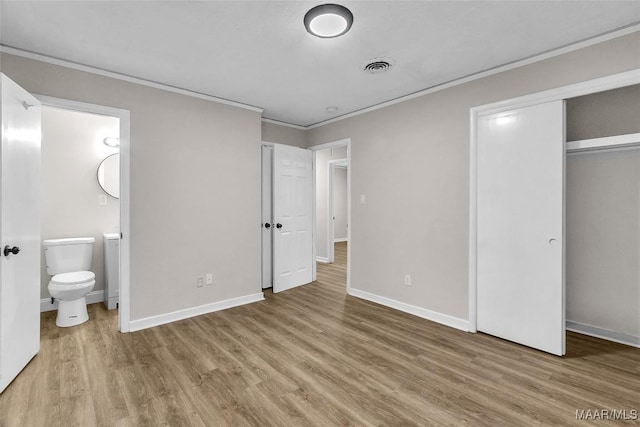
(571, 91)
(331, 167)
(124, 311)
(336, 144)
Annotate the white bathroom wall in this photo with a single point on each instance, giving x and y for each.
(340, 204)
(322, 159)
(72, 150)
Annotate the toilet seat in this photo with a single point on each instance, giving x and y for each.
(74, 278)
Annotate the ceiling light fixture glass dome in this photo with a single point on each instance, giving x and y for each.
(328, 20)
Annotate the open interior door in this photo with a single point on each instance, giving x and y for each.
(520, 226)
(292, 217)
(267, 200)
(19, 230)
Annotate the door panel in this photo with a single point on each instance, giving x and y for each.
(267, 236)
(19, 226)
(292, 209)
(520, 223)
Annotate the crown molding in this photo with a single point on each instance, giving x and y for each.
(500, 69)
(279, 123)
(130, 79)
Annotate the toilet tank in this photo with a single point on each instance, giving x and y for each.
(68, 255)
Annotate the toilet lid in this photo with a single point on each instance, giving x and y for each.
(74, 278)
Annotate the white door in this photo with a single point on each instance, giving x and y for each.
(267, 236)
(520, 218)
(19, 230)
(292, 217)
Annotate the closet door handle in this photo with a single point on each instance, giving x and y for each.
(267, 225)
(278, 226)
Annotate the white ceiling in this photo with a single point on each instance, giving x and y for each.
(258, 52)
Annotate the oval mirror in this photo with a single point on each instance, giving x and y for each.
(109, 175)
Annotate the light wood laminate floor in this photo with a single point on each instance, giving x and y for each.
(311, 356)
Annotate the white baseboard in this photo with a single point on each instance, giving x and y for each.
(594, 331)
(434, 316)
(161, 319)
(340, 240)
(322, 259)
(92, 298)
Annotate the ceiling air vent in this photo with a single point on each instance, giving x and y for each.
(377, 65)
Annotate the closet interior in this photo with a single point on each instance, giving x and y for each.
(603, 214)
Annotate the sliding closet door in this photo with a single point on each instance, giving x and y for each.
(520, 223)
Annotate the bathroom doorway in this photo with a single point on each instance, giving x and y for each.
(85, 183)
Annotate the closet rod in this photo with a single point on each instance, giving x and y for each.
(607, 143)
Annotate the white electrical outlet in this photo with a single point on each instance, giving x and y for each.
(407, 280)
(102, 200)
(199, 281)
(209, 279)
(363, 199)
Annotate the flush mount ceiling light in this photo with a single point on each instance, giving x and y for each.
(328, 20)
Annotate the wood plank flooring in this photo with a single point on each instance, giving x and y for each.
(312, 356)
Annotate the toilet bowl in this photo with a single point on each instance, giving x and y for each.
(68, 262)
(71, 289)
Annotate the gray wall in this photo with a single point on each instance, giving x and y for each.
(195, 186)
(72, 149)
(609, 113)
(340, 203)
(283, 135)
(411, 160)
(322, 159)
(603, 240)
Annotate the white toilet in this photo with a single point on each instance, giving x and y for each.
(69, 261)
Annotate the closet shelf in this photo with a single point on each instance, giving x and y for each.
(606, 143)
